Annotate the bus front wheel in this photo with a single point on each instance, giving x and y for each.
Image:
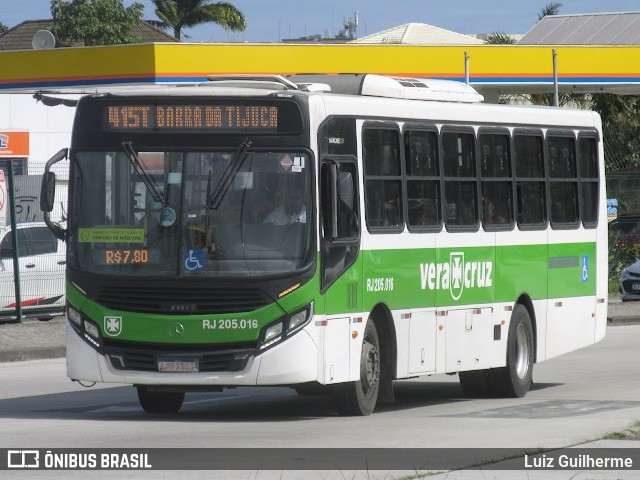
(360, 397)
(160, 402)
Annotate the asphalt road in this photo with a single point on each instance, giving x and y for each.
(576, 398)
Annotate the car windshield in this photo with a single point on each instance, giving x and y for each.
(195, 213)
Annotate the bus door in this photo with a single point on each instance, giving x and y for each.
(341, 272)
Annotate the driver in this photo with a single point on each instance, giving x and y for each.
(292, 209)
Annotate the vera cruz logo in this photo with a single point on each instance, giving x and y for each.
(456, 275)
(456, 261)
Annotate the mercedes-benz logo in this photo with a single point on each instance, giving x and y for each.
(176, 330)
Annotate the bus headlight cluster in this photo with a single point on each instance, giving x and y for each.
(85, 327)
(285, 327)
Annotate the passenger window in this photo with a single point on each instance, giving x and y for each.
(563, 179)
(531, 195)
(529, 156)
(497, 191)
(562, 157)
(460, 187)
(383, 185)
(588, 162)
(495, 160)
(423, 181)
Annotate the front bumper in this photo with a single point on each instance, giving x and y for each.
(293, 361)
(627, 292)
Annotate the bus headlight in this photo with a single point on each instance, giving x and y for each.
(75, 317)
(272, 335)
(92, 329)
(85, 327)
(285, 327)
(300, 319)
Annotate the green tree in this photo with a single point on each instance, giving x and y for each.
(3, 28)
(620, 129)
(180, 14)
(94, 22)
(499, 38)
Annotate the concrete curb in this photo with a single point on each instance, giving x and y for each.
(40, 353)
(621, 321)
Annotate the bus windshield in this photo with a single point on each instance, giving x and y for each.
(238, 213)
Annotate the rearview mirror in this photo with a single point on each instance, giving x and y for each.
(48, 192)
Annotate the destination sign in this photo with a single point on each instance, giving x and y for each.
(195, 118)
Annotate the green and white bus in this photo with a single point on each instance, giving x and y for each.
(328, 233)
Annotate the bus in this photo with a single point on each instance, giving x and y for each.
(329, 233)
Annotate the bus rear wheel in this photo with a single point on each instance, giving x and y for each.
(160, 402)
(359, 398)
(514, 380)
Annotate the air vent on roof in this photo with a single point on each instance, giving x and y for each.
(419, 89)
(393, 87)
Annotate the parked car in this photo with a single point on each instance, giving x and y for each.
(42, 271)
(630, 282)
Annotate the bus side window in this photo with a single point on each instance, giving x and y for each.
(461, 184)
(588, 166)
(383, 185)
(497, 190)
(530, 181)
(563, 181)
(423, 179)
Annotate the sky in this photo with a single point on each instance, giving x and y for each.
(269, 21)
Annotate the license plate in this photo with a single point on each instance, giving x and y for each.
(178, 365)
(635, 286)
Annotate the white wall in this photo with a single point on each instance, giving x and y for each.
(49, 128)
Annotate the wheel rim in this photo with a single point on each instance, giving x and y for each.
(523, 353)
(369, 367)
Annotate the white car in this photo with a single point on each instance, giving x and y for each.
(41, 262)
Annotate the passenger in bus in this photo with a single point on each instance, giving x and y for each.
(494, 215)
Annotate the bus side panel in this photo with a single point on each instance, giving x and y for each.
(572, 291)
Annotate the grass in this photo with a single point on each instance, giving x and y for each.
(631, 433)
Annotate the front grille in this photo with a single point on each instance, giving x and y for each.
(181, 300)
(227, 358)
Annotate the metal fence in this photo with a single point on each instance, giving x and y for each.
(32, 259)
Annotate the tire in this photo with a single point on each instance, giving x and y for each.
(160, 402)
(514, 380)
(359, 398)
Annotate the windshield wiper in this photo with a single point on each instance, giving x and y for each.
(149, 182)
(216, 197)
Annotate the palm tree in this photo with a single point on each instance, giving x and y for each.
(551, 8)
(499, 38)
(189, 13)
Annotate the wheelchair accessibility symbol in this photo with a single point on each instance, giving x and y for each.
(585, 268)
(194, 260)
